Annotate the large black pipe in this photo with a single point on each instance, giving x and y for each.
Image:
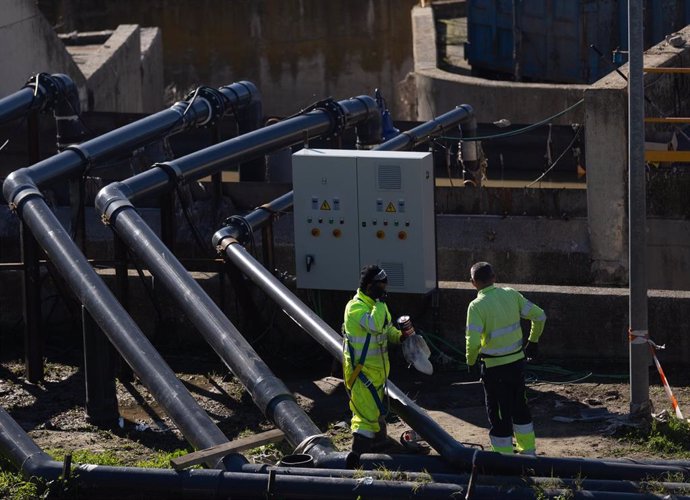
(459, 456)
(269, 393)
(329, 118)
(40, 93)
(389, 467)
(203, 107)
(109, 314)
(104, 482)
(239, 227)
(226, 240)
(21, 191)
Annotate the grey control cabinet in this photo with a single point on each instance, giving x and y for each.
(353, 208)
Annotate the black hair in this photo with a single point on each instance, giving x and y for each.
(482, 272)
(369, 274)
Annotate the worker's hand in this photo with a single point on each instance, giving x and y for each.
(405, 326)
(531, 351)
(474, 370)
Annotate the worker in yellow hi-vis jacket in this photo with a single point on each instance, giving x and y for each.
(367, 330)
(494, 336)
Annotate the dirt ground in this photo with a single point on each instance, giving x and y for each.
(579, 418)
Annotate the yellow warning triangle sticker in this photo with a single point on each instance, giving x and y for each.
(390, 207)
(325, 206)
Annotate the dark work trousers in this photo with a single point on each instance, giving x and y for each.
(506, 397)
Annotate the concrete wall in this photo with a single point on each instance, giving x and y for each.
(606, 163)
(432, 91)
(152, 81)
(586, 323)
(606, 131)
(28, 45)
(113, 72)
(436, 91)
(295, 51)
(124, 74)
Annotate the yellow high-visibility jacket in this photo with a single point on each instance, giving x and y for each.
(493, 328)
(364, 315)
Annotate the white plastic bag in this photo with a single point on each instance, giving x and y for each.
(417, 353)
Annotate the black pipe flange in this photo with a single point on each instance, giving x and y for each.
(240, 227)
(215, 101)
(46, 85)
(336, 112)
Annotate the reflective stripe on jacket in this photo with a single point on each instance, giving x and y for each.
(493, 325)
(363, 316)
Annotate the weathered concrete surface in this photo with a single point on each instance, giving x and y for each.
(28, 45)
(152, 81)
(606, 163)
(604, 116)
(113, 72)
(585, 323)
(295, 51)
(529, 249)
(123, 74)
(606, 130)
(437, 90)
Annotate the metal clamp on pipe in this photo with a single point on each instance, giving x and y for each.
(173, 171)
(18, 187)
(87, 160)
(222, 239)
(110, 200)
(15, 205)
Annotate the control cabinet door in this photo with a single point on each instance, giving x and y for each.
(396, 218)
(325, 220)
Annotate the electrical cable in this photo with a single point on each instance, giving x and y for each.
(520, 130)
(567, 148)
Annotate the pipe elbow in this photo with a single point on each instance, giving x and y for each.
(370, 130)
(17, 186)
(110, 199)
(253, 90)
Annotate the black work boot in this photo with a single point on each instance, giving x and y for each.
(381, 437)
(360, 445)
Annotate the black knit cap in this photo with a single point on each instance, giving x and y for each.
(371, 274)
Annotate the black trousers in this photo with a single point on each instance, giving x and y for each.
(506, 397)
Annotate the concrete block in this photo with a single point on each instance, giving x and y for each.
(29, 45)
(113, 72)
(152, 82)
(424, 38)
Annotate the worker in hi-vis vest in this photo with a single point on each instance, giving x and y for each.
(367, 330)
(494, 335)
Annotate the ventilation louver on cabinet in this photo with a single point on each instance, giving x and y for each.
(395, 272)
(389, 177)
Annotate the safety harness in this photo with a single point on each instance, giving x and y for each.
(357, 372)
